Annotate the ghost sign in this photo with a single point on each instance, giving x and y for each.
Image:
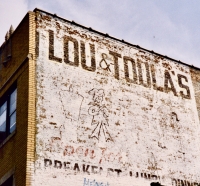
(110, 113)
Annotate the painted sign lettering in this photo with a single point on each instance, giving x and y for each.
(137, 67)
(111, 113)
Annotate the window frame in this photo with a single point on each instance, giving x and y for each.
(10, 180)
(6, 97)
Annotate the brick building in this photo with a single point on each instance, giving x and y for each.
(79, 107)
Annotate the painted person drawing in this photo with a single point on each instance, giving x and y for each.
(99, 114)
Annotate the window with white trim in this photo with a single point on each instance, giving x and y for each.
(8, 113)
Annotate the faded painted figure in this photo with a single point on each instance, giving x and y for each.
(100, 115)
(171, 133)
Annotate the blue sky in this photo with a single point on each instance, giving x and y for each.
(168, 27)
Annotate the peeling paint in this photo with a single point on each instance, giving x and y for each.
(128, 115)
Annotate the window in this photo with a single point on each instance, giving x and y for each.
(8, 113)
(8, 182)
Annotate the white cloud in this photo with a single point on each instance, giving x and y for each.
(11, 13)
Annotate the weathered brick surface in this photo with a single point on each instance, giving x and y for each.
(31, 101)
(92, 110)
(195, 75)
(18, 151)
(111, 113)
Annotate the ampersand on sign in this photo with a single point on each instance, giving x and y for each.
(103, 63)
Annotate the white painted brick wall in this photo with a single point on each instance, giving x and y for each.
(146, 138)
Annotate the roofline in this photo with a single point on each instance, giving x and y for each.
(122, 41)
(4, 42)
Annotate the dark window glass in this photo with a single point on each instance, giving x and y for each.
(8, 113)
(12, 110)
(3, 110)
(8, 182)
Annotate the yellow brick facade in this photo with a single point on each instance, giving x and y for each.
(17, 151)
